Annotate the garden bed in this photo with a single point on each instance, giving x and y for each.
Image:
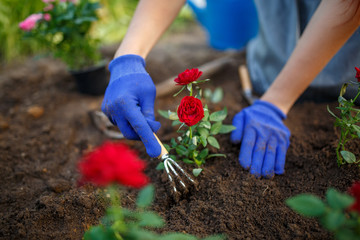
(39, 152)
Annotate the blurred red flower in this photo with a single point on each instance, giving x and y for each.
(190, 111)
(113, 163)
(355, 192)
(357, 74)
(188, 76)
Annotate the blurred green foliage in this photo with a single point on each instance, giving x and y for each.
(12, 12)
(115, 16)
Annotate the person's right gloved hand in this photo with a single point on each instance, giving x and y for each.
(129, 101)
(264, 138)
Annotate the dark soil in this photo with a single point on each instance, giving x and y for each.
(39, 152)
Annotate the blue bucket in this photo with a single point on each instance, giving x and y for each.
(230, 24)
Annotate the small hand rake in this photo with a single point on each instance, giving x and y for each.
(170, 168)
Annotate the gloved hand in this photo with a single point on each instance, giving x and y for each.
(129, 101)
(264, 138)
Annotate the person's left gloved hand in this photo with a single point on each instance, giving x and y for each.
(264, 138)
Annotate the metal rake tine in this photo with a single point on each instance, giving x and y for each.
(168, 162)
(181, 169)
(169, 175)
(170, 166)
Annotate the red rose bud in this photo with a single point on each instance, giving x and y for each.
(190, 111)
(357, 74)
(355, 192)
(113, 163)
(188, 76)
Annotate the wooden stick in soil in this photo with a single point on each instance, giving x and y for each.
(246, 84)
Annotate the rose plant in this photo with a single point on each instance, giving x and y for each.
(115, 165)
(63, 26)
(192, 146)
(348, 122)
(339, 213)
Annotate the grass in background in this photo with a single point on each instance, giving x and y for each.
(12, 12)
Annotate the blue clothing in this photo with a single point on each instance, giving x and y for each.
(281, 23)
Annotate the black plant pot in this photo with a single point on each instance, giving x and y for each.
(93, 80)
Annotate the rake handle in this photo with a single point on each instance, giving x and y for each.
(163, 149)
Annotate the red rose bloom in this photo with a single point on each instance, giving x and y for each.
(188, 76)
(357, 74)
(355, 192)
(113, 163)
(190, 111)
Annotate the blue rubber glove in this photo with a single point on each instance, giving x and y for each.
(264, 137)
(129, 101)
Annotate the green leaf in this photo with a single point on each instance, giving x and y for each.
(188, 161)
(167, 147)
(99, 233)
(181, 126)
(307, 205)
(203, 141)
(173, 142)
(160, 166)
(333, 114)
(338, 200)
(205, 124)
(175, 122)
(150, 219)
(219, 115)
(227, 128)
(196, 171)
(207, 93)
(194, 140)
(173, 116)
(181, 150)
(179, 91)
(343, 89)
(206, 113)
(177, 236)
(346, 234)
(203, 132)
(356, 128)
(139, 233)
(333, 220)
(189, 87)
(164, 114)
(192, 147)
(218, 95)
(216, 155)
(173, 157)
(213, 142)
(216, 237)
(204, 153)
(146, 196)
(201, 81)
(348, 156)
(215, 128)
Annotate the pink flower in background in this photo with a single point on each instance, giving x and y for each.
(47, 17)
(29, 23)
(48, 7)
(48, 1)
